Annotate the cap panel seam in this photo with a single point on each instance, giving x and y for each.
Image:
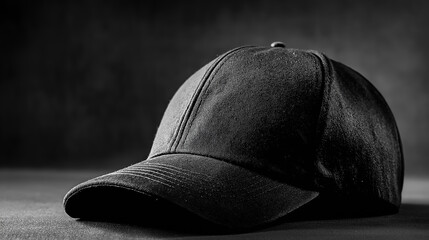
(325, 89)
(182, 119)
(200, 95)
(326, 78)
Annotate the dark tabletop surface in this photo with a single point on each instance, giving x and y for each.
(31, 208)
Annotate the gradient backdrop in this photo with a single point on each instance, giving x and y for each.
(84, 83)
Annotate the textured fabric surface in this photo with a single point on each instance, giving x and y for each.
(31, 208)
(296, 117)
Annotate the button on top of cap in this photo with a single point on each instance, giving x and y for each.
(278, 44)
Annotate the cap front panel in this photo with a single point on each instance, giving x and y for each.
(177, 113)
(172, 118)
(259, 110)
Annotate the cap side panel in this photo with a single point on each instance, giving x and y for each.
(359, 144)
(398, 143)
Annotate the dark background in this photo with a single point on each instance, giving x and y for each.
(85, 83)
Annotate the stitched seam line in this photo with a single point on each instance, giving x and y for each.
(325, 66)
(200, 85)
(171, 169)
(323, 90)
(208, 192)
(185, 184)
(201, 92)
(193, 99)
(186, 175)
(123, 186)
(155, 178)
(163, 173)
(248, 168)
(204, 93)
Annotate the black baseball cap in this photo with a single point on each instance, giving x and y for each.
(256, 134)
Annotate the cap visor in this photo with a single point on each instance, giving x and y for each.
(215, 190)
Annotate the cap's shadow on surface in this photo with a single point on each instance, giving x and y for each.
(410, 216)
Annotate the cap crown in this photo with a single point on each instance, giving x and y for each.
(290, 114)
